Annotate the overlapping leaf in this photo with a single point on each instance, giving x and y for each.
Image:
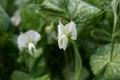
(102, 63)
(79, 11)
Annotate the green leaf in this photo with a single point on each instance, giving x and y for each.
(53, 4)
(79, 11)
(69, 73)
(39, 67)
(89, 45)
(103, 4)
(40, 1)
(102, 64)
(44, 77)
(94, 2)
(30, 18)
(22, 2)
(52, 9)
(4, 20)
(84, 74)
(18, 75)
(3, 3)
(4, 38)
(101, 35)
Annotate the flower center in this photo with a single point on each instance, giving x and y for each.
(31, 48)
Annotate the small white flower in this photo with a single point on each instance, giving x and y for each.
(16, 19)
(66, 32)
(28, 40)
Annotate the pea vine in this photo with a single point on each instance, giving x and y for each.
(115, 6)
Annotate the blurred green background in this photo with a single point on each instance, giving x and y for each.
(93, 32)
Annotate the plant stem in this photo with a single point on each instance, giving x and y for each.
(113, 39)
(114, 31)
(78, 62)
(30, 64)
(66, 58)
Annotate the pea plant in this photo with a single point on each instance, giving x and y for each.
(60, 40)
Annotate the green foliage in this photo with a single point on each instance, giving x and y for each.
(18, 75)
(30, 18)
(80, 12)
(4, 20)
(3, 3)
(45, 77)
(102, 64)
(94, 55)
(76, 10)
(101, 35)
(103, 4)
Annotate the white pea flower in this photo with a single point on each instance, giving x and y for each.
(66, 32)
(16, 19)
(28, 40)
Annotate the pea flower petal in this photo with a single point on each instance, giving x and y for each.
(33, 36)
(31, 48)
(28, 40)
(71, 30)
(62, 42)
(60, 29)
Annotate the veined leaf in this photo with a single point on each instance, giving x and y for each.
(79, 11)
(103, 4)
(101, 62)
(53, 4)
